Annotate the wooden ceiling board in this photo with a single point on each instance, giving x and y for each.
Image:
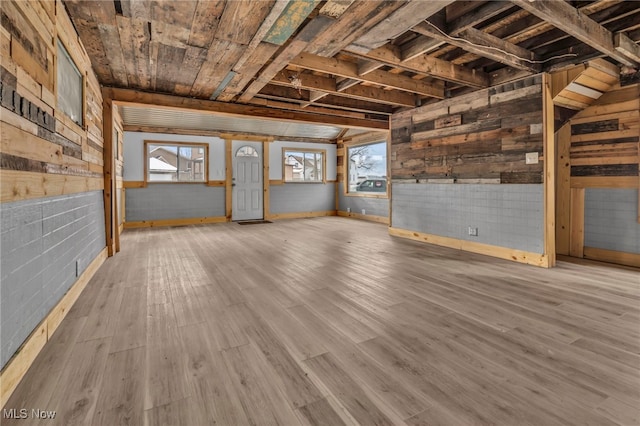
(367, 55)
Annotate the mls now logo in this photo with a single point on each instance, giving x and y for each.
(23, 413)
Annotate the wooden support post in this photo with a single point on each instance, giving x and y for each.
(265, 178)
(549, 151)
(109, 177)
(563, 190)
(229, 179)
(576, 248)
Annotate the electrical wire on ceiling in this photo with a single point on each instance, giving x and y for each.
(532, 61)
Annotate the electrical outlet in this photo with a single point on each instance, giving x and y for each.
(531, 158)
(364, 211)
(348, 209)
(473, 231)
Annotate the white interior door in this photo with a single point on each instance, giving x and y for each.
(248, 187)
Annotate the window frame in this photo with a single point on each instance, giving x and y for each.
(304, 150)
(83, 112)
(346, 192)
(176, 145)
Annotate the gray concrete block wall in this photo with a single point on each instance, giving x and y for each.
(174, 201)
(41, 242)
(371, 206)
(302, 197)
(611, 219)
(509, 216)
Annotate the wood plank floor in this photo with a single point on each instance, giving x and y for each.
(332, 321)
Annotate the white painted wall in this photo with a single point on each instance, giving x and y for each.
(133, 143)
(275, 157)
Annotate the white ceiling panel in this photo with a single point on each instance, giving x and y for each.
(194, 120)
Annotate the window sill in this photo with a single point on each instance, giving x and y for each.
(367, 195)
(315, 183)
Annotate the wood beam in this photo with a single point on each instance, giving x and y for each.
(302, 96)
(577, 24)
(627, 47)
(297, 45)
(265, 27)
(328, 86)
(481, 14)
(345, 83)
(134, 97)
(217, 133)
(356, 20)
(486, 45)
(264, 98)
(364, 67)
(397, 23)
(429, 66)
(418, 46)
(350, 70)
(289, 20)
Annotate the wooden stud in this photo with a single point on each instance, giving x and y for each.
(549, 151)
(229, 178)
(265, 179)
(576, 247)
(109, 174)
(563, 190)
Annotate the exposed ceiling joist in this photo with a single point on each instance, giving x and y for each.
(350, 70)
(297, 45)
(483, 44)
(328, 86)
(429, 66)
(479, 15)
(135, 97)
(627, 47)
(394, 25)
(577, 24)
(302, 96)
(417, 47)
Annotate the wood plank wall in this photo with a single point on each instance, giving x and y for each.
(43, 152)
(479, 137)
(118, 136)
(604, 138)
(598, 148)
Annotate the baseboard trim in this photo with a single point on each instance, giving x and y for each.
(299, 215)
(174, 222)
(520, 256)
(369, 217)
(612, 256)
(17, 366)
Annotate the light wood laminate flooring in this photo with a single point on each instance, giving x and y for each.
(332, 321)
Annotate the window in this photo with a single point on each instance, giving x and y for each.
(303, 165)
(176, 162)
(70, 86)
(367, 169)
(247, 151)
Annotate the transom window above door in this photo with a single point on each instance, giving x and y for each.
(246, 151)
